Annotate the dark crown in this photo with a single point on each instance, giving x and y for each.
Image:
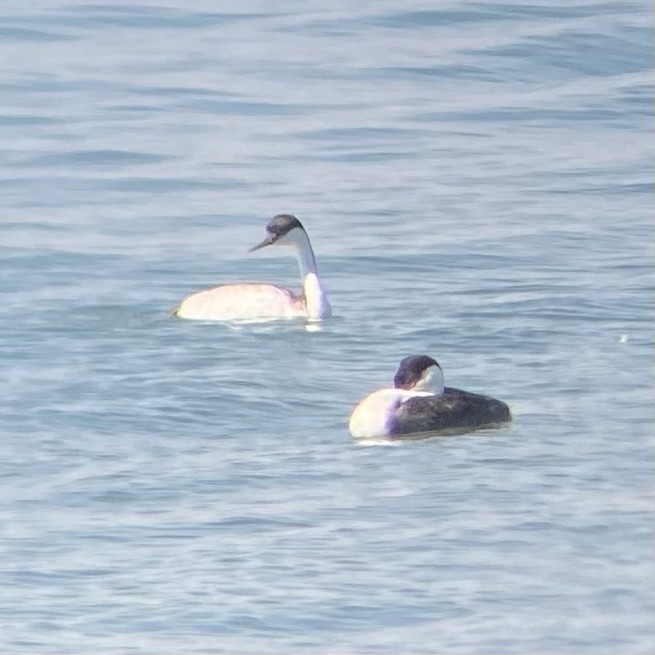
(411, 369)
(283, 224)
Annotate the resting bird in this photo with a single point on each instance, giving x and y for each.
(419, 402)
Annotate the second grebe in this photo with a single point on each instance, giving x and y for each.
(419, 402)
(260, 300)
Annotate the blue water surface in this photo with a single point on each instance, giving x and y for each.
(476, 178)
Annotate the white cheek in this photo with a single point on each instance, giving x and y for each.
(293, 239)
(432, 380)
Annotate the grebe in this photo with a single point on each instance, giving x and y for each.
(260, 300)
(419, 402)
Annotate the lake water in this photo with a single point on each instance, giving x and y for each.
(476, 178)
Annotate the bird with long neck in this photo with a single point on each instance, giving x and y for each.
(261, 300)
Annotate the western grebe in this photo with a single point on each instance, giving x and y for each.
(260, 300)
(419, 402)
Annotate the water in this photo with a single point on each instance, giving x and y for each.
(476, 179)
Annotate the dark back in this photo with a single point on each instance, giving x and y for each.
(453, 410)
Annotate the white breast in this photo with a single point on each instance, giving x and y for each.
(316, 300)
(241, 301)
(374, 416)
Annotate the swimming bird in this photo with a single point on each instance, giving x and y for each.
(261, 300)
(419, 402)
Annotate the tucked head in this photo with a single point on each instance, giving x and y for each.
(419, 373)
(281, 230)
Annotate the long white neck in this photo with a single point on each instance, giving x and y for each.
(316, 298)
(299, 241)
